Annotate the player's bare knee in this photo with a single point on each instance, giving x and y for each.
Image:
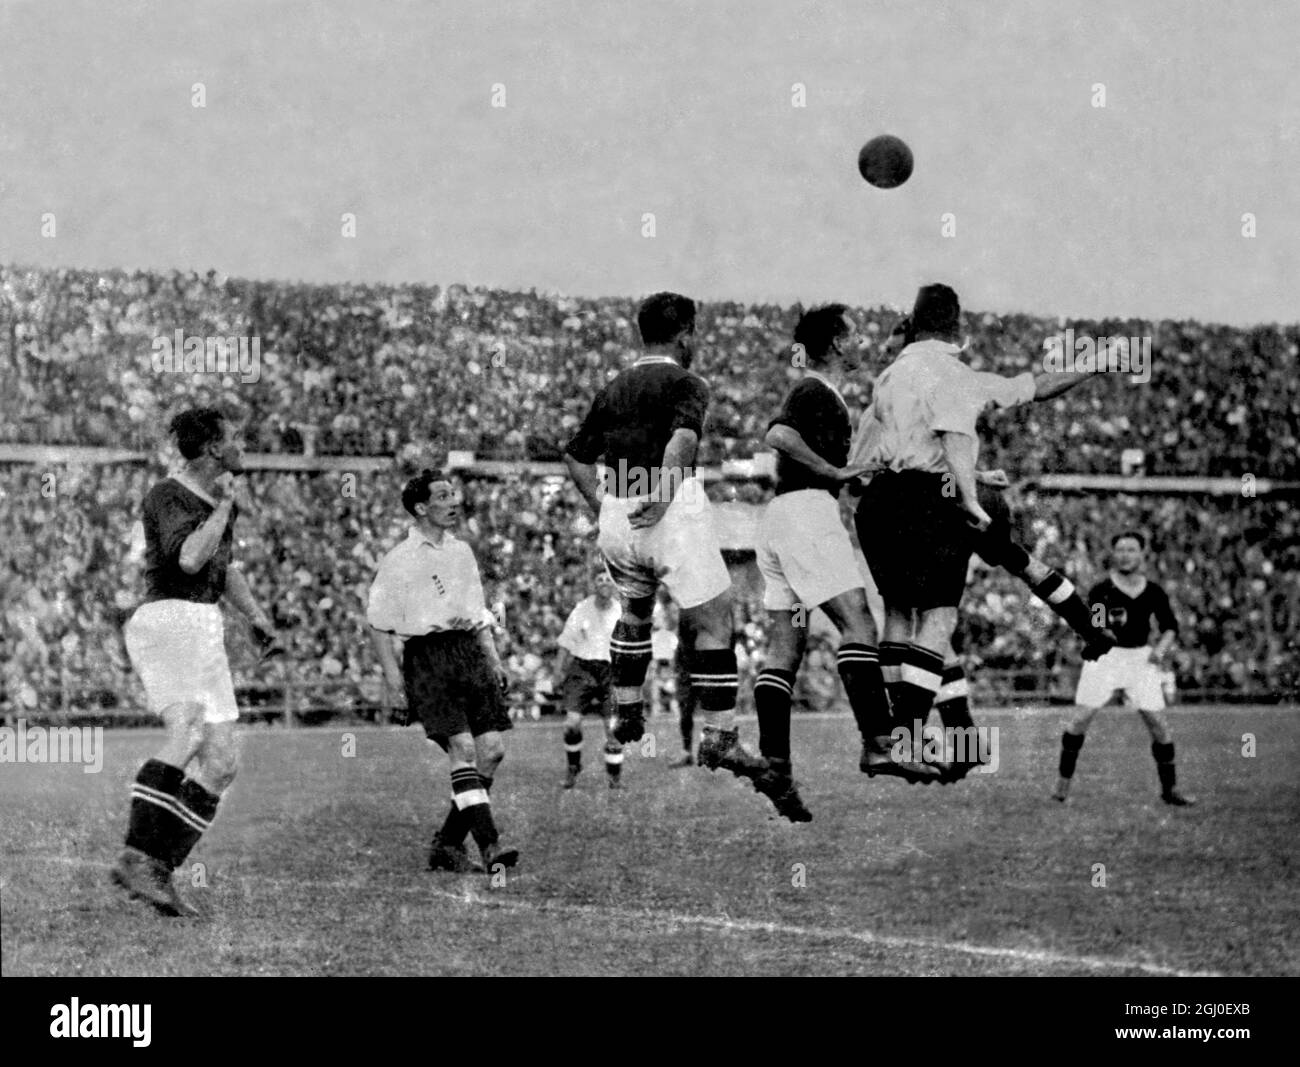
(461, 749)
(490, 750)
(712, 622)
(1156, 724)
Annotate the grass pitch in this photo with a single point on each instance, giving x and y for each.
(316, 862)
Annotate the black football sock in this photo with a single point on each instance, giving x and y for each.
(573, 747)
(773, 691)
(920, 676)
(860, 671)
(613, 759)
(714, 681)
(198, 808)
(163, 825)
(453, 827)
(952, 702)
(891, 658)
(1059, 594)
(1070, 745)
(686, 712)
(629, 653)
(475, 806)
(1164, 755)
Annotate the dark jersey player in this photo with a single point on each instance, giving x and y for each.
(656, 526)
(175, 641)
(1130, 604)
(807, 562)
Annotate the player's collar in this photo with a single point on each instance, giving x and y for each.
(810, 373)
(184, 479)
(646, 361)
(931, 344)
(1115, 575)
(419, 536)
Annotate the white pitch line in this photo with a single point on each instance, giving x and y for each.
(465, 895)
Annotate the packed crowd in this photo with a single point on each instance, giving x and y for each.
(362, 369)
(71, 554)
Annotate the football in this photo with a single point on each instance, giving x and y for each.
(885, 161)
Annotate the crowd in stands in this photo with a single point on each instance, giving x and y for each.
(414, 372)
(366, 369)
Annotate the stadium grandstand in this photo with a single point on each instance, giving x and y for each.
(356, 386)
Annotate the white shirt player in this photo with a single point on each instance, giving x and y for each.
(421, 587)
(925, 392)
(589, 628)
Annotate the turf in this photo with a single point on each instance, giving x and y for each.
(316, 863)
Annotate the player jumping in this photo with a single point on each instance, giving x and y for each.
(1130, 602)
(656, 526)
(175, 641)
(807, 562)
(919, 519)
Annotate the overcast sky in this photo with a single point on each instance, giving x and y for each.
(683, 110)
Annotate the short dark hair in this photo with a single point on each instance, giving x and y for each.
(417, 491)
(664, 317)
(937, 310)
(196, 428)
(820, 328)
(1136, 535)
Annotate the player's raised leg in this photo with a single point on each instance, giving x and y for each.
(787, 635)
(714, 681)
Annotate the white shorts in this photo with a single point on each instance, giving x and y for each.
(1127, 670)
(178, 648)
(804, 551)
(681, 550)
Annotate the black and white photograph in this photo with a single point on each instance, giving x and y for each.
(789, 488)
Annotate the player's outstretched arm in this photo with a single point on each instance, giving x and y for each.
(1049, 384)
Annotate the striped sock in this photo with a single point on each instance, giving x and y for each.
(470, 794)
(864, 682)
(920, 674)
(573, 747)
(891, 656)
(629, 653)
(714, 681)
(169, 813)
(952, 702)
(613, 759)
(1058, 593)
(773, 691)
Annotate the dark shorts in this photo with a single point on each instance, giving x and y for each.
(917, 541)
(586, 686)
(450, 688)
